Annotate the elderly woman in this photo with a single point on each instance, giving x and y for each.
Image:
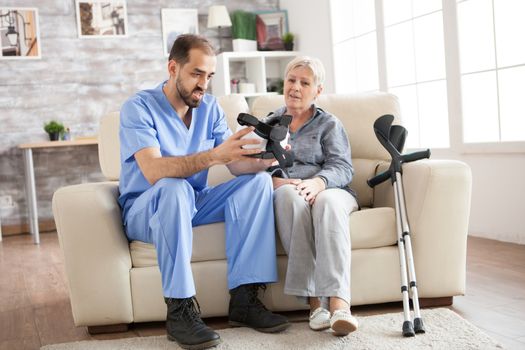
(313, 205)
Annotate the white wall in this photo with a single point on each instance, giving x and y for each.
(498, 195)
(310, 22)
(498, 188)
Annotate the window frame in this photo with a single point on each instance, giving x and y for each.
(453, 77)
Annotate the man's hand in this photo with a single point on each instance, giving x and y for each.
(278, 182)
(154, 166)
(309, 189)
(231, 150)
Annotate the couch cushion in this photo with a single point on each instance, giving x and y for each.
(369, 228)
(358, 113)
(373, 228)
(208, 244)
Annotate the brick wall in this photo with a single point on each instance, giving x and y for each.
(77, 81)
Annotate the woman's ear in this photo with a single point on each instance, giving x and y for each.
(319, 90)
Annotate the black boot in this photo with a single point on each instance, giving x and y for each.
(247, 310)
(184, 325)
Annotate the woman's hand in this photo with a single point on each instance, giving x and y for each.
(278, 182)
(309, 189)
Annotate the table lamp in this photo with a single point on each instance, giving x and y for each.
(218, 17)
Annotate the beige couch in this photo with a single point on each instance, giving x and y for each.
(112, 281)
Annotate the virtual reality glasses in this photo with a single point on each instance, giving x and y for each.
(273, 136)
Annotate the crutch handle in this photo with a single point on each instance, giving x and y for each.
(405, 158)
(376, 180)
(411, 157)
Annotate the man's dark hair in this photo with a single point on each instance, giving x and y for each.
(180, 51)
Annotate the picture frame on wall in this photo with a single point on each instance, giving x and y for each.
(270, 27)
(101, 18)
(19, 33)
(176, 22)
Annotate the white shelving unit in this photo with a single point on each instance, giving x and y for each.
(258, 67)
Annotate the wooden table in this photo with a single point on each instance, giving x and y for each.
(27, 149)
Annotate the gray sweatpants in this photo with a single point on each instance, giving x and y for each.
(317, 241)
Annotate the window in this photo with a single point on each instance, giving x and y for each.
(355, 46)
(415, 66)
(480, 62)
(492, 57)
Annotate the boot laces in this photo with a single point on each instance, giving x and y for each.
(189, 310)
(253, 291)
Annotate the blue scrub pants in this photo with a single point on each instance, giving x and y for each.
(165, 214)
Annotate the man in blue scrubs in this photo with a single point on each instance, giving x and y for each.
(169, 136)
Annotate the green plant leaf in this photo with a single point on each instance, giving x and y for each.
(288, 37)
(53, 127)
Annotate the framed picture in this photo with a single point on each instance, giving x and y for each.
(176, 22)
(99, 18)
(271, 26)
(19, 33)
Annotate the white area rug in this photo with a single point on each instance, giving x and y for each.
(445, 330)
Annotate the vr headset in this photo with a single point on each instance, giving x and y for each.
(273, 136)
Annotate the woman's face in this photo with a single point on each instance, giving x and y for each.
(299, 89)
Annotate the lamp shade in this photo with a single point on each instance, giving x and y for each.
(218, 17)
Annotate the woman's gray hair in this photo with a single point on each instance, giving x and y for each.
(314, 64)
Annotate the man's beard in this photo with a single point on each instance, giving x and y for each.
(187, 95)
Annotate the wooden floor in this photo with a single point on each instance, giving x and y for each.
(35, 309)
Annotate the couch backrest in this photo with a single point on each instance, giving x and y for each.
(109, 146)
(358, 113)
(108, 136)
(232, 106)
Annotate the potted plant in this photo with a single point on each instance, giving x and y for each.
(243, 31)
(288, 39)
(54, 129)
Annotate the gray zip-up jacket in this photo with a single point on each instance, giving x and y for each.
(321, 149)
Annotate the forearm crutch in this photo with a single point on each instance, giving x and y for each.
(392, 137)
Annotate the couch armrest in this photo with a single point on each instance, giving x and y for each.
(96, 253)
(437, 196)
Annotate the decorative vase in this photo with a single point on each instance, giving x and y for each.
(288, 46)
(53, 136)
(244, 45)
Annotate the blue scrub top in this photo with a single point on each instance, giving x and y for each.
(148, 120)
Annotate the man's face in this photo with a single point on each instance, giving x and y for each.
(194, 76)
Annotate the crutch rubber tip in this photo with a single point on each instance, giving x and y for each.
(418, 325)
(408, 329)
